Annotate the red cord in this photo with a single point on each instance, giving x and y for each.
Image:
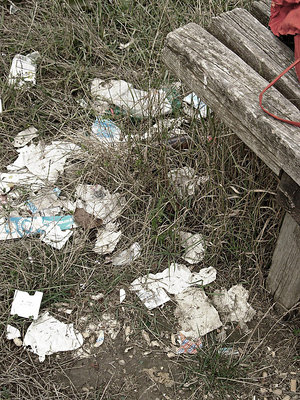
(268, 87)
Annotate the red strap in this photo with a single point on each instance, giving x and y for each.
(268, 87)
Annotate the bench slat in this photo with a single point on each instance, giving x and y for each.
(231, 88)
(259, 48)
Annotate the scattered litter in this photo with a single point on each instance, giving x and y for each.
(159, 377)
(100, 339)
(151, 289)
(186, 180)
(196, 315)
(45, 162)
(172, 125)
(98, 201)
(124, 46)
(106, 131)
(199, 107)
(55, 237)
(229, 351)
(86, 220)
(23, 69)
(12, 332)
(110, 325)
(139, 103)
(17, 227)
(232, 304)
(25, 136)
(188, 346)
(194, 245)
(13, 8)
(26, 305)
(47, 336)
(107, 239)
(122, 295)
(127, 256)
(146, 337)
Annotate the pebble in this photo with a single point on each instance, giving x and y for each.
(122, 362)
(18, 342)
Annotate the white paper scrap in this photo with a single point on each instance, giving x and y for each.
(122, 295)
(127, 256)
(47, 336)
(25, 136)
(107, 239)
(194, 246)
(55, 237)
(186, 180)
(21, 177)
(193, 100)
(12, 332)
(1, 109)
(22, 70)
(26, 305)
(196, 315)
(151, 289)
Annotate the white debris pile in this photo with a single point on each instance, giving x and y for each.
(23, 69)
(138, 103)
(47, 336)
(186, 180)
(196, 315)
(233, 305)
(194, 107)
(194, 246)
(152, 288)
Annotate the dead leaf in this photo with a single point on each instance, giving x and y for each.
(86, 220)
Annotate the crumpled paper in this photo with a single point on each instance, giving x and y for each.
(232, 304)
(152, 288)
(47, 336)
(23, 69)
(127, 256)
(107, 239)
(196, 315)
(25, 136)
(186, 180)
(194, 246)
(138, 103)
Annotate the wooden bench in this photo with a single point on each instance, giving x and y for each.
(227, 65)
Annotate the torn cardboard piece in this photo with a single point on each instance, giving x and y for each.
(23, 70)
(194, 246)
(138, 103)
(25, 136)
(233, 304)
(107, 239)
(186, 180)
(196, 315)
(26, 305)
(45, 162)
(152, 288)
(47, 336)
(127, 256)
(98, 201)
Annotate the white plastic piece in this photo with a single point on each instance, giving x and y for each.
(194, 246)
(199, 106)
(26, 305)
(12, 332)
(100, 339)
(151, 289)
(106, 131)
(25, 136)
(127, 256)
(233, 304)
(122, 295)
(196, 315)
(23, 70)
(137, 102)
(1, 109)
(186, 180)
(47, 336)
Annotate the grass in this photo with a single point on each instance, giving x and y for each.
(236, 210)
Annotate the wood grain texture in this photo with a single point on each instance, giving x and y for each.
(288, 196)
(231, 88)
(284, 276)
(259, 48)
(261, 12)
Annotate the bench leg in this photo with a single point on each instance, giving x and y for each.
(284, 277)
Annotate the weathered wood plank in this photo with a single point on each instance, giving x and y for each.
(288, 196)
(259, 48)
(284, 276)
(231, 88)
(261, 12)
